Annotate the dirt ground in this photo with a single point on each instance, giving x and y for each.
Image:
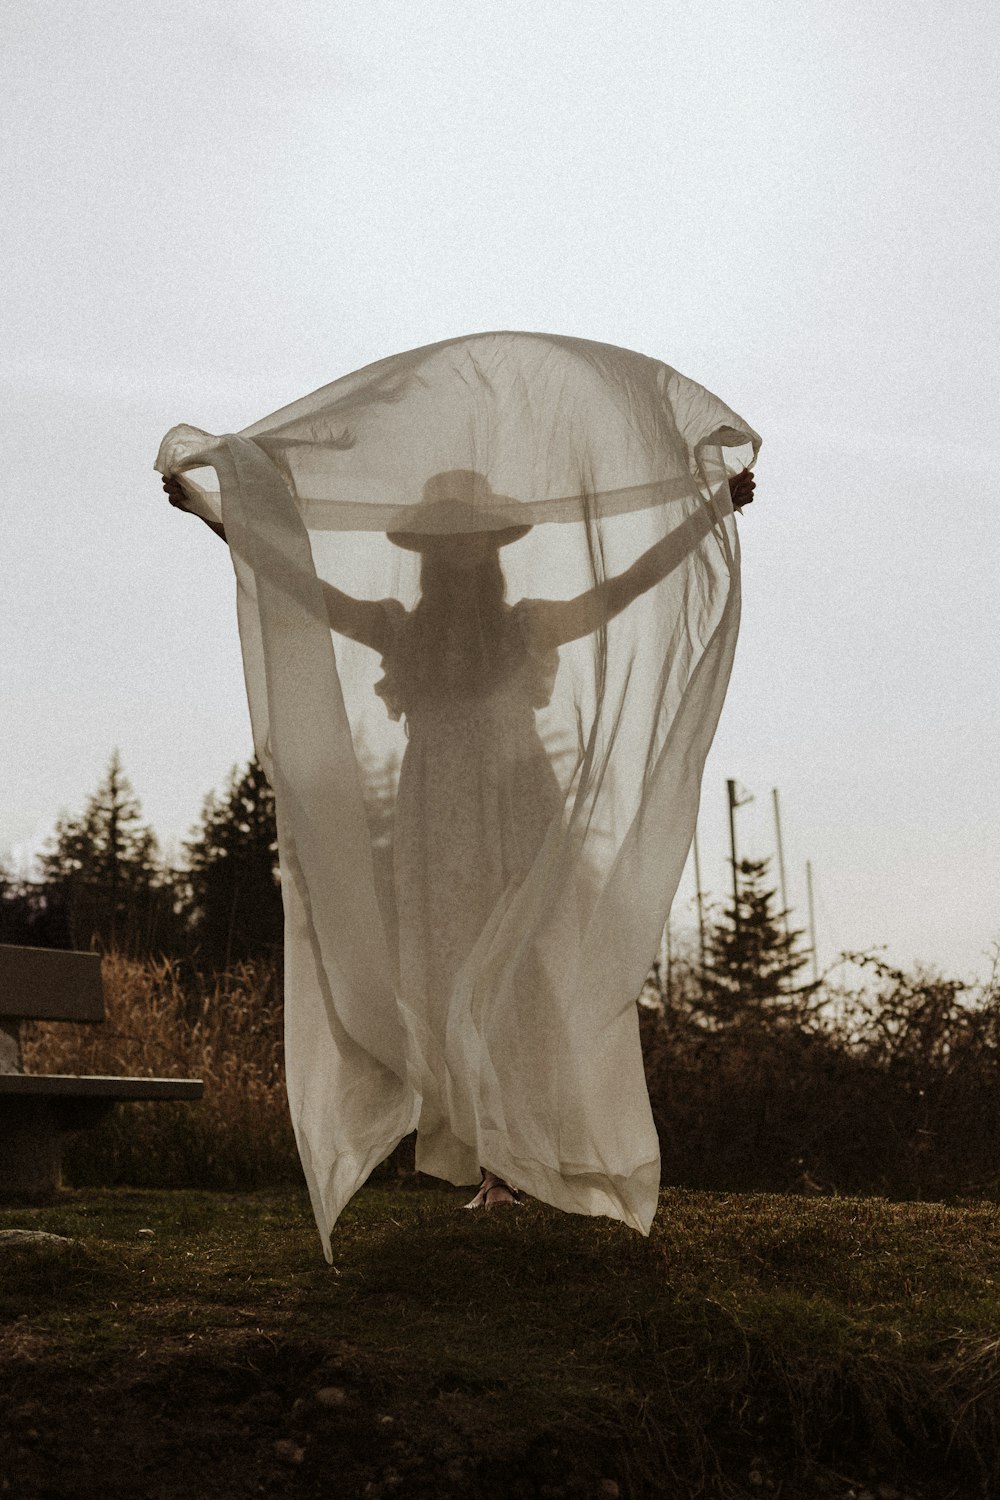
(179, 1346)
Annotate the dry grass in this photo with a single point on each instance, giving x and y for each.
(159, 1025)
(808, 1343)
(911, 1112)
(754, 1344)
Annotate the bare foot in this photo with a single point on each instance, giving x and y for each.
(494, 1192)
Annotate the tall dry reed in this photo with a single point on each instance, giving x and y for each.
(898, 1095)
(161, 1024)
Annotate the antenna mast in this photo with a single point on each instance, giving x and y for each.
(812, 919)
(701, 908)
(781, 861)
(735, 801)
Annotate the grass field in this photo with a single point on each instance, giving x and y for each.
(196, 1344)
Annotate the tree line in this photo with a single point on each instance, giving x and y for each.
(103, 883)
(758, 1077)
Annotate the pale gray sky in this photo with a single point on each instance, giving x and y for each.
(212, 209)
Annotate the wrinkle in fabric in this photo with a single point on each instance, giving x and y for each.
(488, 598)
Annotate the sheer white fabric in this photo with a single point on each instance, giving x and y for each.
(488, 598)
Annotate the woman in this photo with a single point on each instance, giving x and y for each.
(467, 673)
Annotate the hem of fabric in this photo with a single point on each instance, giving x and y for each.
(632, 1198)
(348, 1172)
(580, 1188)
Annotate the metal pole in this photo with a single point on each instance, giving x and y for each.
(781, 861)
(701, 909)
(812, 919)
(731, 787)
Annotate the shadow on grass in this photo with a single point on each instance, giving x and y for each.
(753, 1344)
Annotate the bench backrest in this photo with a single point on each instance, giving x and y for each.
(49, 984)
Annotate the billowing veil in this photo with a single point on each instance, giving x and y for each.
(488, 598)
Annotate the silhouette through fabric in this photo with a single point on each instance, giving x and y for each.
(488, 600)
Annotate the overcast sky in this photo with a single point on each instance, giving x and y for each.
(212, 209)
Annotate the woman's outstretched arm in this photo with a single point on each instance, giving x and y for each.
(363, 620)
(561, 620)
(177, 497)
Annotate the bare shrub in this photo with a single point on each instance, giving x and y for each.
(890, 1086)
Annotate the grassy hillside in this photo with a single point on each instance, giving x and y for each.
(194, 1344)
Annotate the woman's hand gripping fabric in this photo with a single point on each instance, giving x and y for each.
(741, 488)
(177, 497)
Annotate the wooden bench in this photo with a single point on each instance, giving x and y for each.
(37, 1109)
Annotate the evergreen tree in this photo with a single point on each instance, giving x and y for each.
(31, 915)
(234, 906)
(232, 902)
(750, 960)
(102, 869)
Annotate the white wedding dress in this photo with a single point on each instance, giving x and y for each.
(476, 980)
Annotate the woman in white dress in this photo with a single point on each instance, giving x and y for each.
(467, 672)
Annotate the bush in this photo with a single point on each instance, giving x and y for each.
(891, 1088)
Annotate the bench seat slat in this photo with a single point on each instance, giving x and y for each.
(70, 1085)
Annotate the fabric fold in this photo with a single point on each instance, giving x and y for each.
(485, 732)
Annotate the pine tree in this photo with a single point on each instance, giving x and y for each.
(233, 903)
(30, 915)
(750, 960)
(103, 870)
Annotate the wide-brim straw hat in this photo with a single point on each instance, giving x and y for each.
(459, 502)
